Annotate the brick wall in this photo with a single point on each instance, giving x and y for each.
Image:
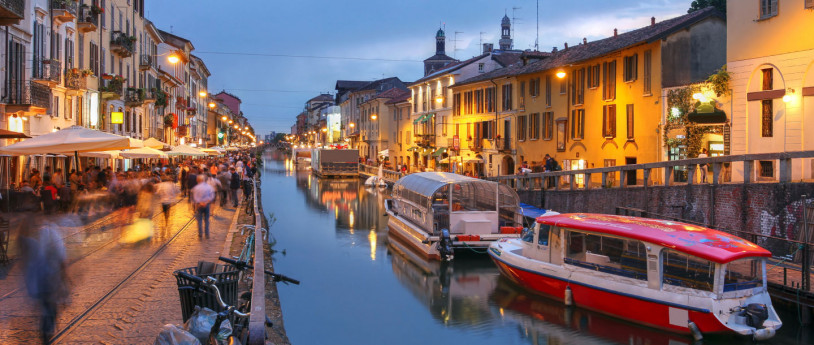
(765, 208)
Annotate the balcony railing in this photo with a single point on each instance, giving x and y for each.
(75, 81)
(112, 88)
(134, 97)
(64, 10)
(11, 11)
(122, 45)
(88, 20)
(27, 93)
(146, 62)
(48, 73)
(504, 144)
(476, 145)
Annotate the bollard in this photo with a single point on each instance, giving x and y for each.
(569, 296)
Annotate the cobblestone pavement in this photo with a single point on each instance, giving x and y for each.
(135, 313)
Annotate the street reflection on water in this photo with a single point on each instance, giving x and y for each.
(359, 287)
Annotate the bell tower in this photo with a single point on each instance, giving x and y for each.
(440, 42)
(505, 33)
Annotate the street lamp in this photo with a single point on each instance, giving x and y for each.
(373, 117)
(211, 104)
(224, 118)
(560, 74)
(202, 93)
(352, 125)
(173, 58)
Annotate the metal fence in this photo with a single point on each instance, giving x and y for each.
(257, 320)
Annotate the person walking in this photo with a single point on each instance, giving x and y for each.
(167, 192)
(192, 180)
(223, 177)
(703, 167)
(202, 197)
(234, 185)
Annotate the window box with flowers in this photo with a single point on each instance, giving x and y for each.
(111, 86)
(160, 97)
(170, 120)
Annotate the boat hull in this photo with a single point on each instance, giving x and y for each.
(647, 311)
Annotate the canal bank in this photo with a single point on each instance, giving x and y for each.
(361, 287)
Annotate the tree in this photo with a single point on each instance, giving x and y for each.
(702, 4)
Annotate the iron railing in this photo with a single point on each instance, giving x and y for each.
(70, 6)
(88, 16)
(122, 44)
(48, 70)
(25, 92)
(146, 61)
(113, 87)
(14, 10)
(75, 81)
(134, 97)
(388, 175)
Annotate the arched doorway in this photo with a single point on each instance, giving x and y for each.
(507, 167)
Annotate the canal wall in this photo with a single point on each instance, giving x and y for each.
(773, 209)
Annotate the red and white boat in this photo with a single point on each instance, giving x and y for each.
(669, 275)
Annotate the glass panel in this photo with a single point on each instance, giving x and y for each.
(687, 271)
(542, 239)
(607, 254)
(744, 274)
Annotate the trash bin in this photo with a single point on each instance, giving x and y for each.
(191, 296)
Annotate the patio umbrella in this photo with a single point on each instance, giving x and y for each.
(5, 134)
(101, 154)
(211, 152)
(144, 152)
(154, 143)
(184, 150)
(72, 140)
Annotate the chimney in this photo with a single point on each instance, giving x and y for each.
(584, 40)
(652, 21)
(487, 48)
(615, 33)
(554, 50)
(566, 45)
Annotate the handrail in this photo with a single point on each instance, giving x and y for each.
(389, 175)
(257, 320)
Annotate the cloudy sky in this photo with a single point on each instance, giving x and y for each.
(275, 55)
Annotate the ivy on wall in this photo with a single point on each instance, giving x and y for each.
(680, 103)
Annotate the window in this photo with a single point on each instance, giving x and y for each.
(468, 102)
(69, 61)
(606, 254)
(648, 88)
(609, 121)
(480, 67)
(563, 86)
(548, 125)
(479, 101)
(542, 237)
(507, 97)
(522, 127)
(743, 274)
(630, 122)
(577, 123)
(488, 129)
(767, 120)
(522, 98)
(767, 79)
(687, 271)
(548, 90)
(534, 128)
(593, 76)
(490, 99)
(768, 8)
(609, 80)
(444, 127)
(534, 87)
(809, 4)
(456, 104)
(578, 86)
(631, 67)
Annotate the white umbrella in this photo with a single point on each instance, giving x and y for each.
(144, 152)
(184, 150)
(154, 143)
(210, 151)
(473, 160)
(100, 154)
(72, 140)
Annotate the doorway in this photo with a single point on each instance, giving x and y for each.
(631, 174)
(508, 165)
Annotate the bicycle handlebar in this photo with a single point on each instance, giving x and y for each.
(210, 283)
(193, 278)
(240, 265)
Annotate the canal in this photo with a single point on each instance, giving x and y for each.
(358, 287)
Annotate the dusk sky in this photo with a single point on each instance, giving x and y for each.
(275, 55)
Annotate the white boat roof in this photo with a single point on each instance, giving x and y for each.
(426, 183)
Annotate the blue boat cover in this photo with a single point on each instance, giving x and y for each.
(531, 211)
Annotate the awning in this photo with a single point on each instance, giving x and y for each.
(439, 152)
(411, 149)
(423, 118)
(707, 113)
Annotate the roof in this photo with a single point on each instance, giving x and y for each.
(591, 50)
(402, 97)
(439, 57)
(350, 84)
(322, 98)
(393, 93)
(506, 58)
(377, 84)
(705, 243)
(223, 92)
(426, 183)
(174, 40)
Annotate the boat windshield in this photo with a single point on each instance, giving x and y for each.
(687, 271)
(744, 274)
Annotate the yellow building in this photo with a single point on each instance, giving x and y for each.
(770, 54)
(592, 105)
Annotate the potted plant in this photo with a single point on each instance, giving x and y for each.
(106, 76)
(86, 73)
(96, 9)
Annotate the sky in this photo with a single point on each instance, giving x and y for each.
(275, 55)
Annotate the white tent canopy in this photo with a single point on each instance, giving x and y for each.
(184, 150)
(154, 143)
(144, 152)
(100, 154)
(71, 140)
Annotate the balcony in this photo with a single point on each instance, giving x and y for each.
(149, 95)
(122, 45)
(28, 97)
(11, 11)
(64, 11)
(76, 80)
(476, 145)
(146, 62)
(112, 88)
(48, 73)
(425, 140)
(503, 145)
(180, 103)
(88, 19)
(134, 97)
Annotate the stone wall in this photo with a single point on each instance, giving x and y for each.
(764, 208)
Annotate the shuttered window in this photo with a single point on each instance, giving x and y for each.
(609, 121)
(768, 8)
(548, 125)
(631, 67)
(609, 80)
(630, 122)
(648, 57)
(809, 3)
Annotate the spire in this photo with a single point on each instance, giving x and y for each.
(440, 42)
(505, 33)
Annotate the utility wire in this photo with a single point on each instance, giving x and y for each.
(308, 56)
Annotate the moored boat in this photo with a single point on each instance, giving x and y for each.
(669, 275)
(436, 213)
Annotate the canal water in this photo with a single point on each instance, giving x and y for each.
(359, 287)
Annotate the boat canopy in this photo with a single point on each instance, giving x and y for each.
(705, 243)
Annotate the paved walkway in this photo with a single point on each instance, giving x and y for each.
(136, 312)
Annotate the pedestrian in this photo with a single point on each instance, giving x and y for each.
(167, 192)
(192, 181)
(44, 263)
(49, 195)
(234, 185)
(223, 177)
(35, 180)
(703, 167)
(202, 197)
(551, 165)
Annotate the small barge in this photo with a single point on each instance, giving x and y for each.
(335, 163)
(669, 275)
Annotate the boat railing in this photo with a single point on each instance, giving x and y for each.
(789, 268)
(748, 168)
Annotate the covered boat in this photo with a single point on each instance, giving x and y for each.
(436, 213)
(674, 276)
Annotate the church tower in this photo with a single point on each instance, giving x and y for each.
(440, 42)
(505, 33)
(440, 59)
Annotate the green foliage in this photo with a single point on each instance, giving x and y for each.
(702, 4)
(719, 82)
